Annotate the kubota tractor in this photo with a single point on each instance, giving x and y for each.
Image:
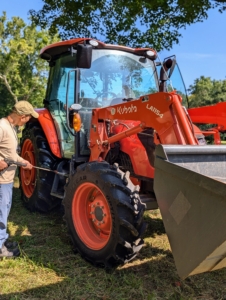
(116, 126)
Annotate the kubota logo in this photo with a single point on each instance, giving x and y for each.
(113, 111)
(126, 110)
(155, 110)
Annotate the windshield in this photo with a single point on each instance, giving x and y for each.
(114, 76)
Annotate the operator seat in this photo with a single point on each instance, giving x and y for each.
(86, 115)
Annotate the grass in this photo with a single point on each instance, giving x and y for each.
(48, 268)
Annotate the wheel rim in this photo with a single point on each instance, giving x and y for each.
(28, 176)
(91, 216)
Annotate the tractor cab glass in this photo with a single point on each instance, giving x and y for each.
(114, 77)
(56, 99)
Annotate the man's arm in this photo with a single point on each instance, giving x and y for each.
(3, 164)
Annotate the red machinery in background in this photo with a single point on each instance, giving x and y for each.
(212, 114)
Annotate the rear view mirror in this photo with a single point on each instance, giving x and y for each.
(172, 67)
(84, 56)
(166, 66)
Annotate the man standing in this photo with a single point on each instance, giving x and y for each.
(21, 114)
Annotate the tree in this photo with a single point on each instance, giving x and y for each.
(133, 23)
(206, 92)
(22, 72)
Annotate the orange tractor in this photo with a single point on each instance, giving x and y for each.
(116, 133)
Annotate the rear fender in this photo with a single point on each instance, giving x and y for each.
(46, 121)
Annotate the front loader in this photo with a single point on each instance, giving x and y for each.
(116, 126)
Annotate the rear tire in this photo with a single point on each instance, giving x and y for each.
(36, 184)
(104, 214)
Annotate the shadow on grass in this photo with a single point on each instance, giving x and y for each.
(154, 227)
(143, 281)
(48, 268)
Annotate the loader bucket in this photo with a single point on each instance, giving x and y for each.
(190, 189)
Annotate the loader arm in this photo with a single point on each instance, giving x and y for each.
(161, 111)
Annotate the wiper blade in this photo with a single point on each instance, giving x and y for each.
(127, 99)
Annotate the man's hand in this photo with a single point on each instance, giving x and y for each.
(28, 165)
(3, 165)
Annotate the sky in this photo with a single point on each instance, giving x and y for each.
(200, 52)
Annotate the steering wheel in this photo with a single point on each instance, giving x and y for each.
(102, 94)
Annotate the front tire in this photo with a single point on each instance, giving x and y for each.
(36, 184)
(104, 214)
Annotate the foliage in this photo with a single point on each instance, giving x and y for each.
(22, 73)
(205, 91)
(6, 100)
(133, 23)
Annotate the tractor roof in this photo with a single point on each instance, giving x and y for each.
(55, 50)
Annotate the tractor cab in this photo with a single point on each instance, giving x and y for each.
(94, 75)
(97, 75)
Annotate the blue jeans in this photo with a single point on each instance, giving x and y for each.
(6, 191)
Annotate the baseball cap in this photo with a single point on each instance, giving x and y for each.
(25, 108)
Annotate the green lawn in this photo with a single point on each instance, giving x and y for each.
(48, 268)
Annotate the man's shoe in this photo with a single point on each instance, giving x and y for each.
(4, 252)
(11, 244)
